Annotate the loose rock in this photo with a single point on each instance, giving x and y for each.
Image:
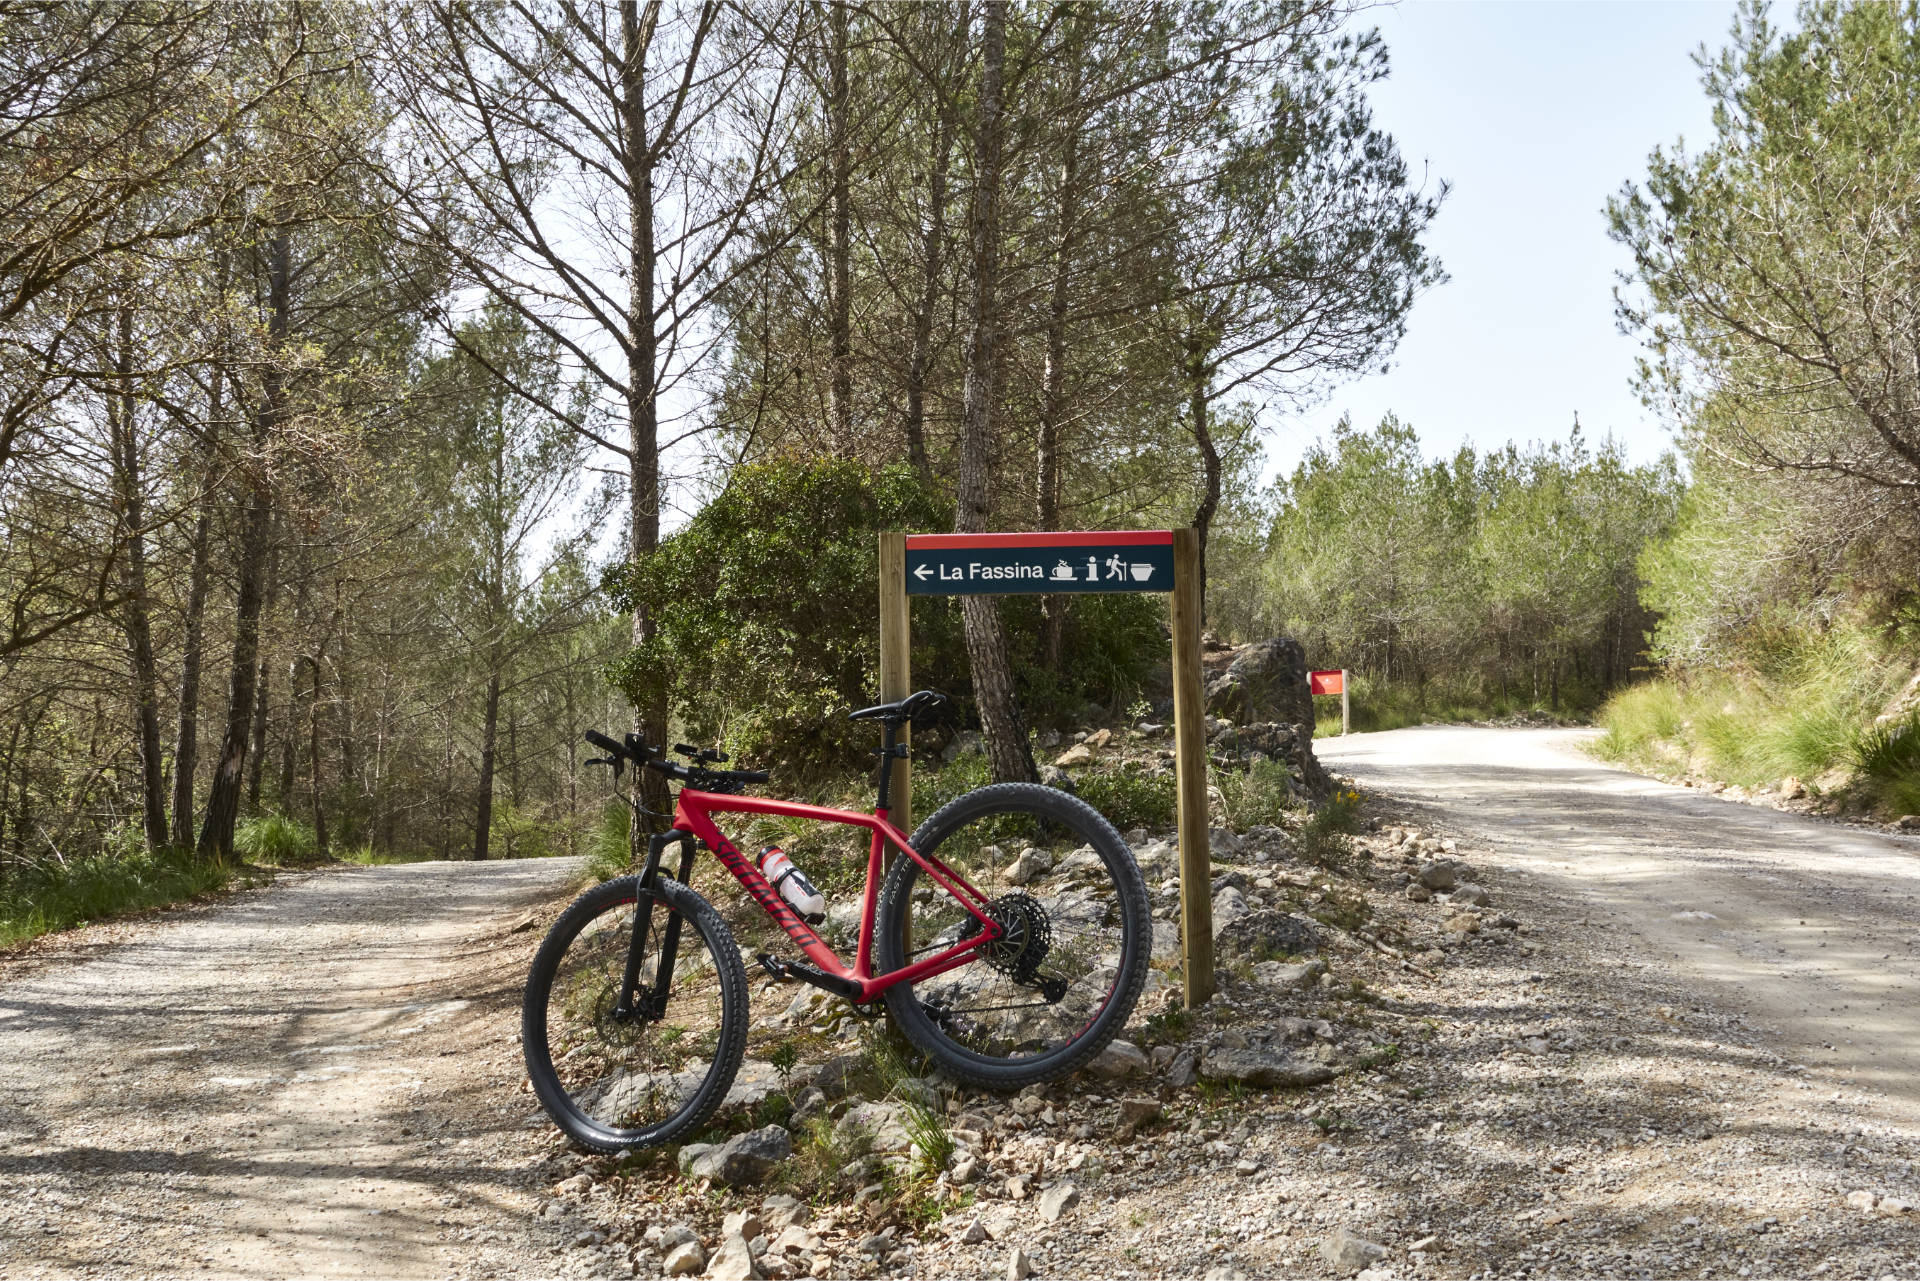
(1263, 1068)
(1346, 1253)
(1057, 1200)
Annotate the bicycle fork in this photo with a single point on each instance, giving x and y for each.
(656, 1003)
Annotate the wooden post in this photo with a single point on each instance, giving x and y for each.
(1346, 720)
(1190, 761)
(896, 675)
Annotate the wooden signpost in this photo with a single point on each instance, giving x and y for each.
(1156, 560)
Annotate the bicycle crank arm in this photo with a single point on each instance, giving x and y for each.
(826, 982)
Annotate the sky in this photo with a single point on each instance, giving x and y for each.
(1535, 112)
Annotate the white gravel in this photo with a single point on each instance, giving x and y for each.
(310, 1079)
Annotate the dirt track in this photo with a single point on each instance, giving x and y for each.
(320, 1078)
(289, 1083)
(1812, 929)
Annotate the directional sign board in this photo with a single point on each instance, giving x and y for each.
(1011, 564)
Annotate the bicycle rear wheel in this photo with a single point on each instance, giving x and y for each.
(614, 1083)
(1063, 980)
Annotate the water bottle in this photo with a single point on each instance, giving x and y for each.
(793, 884)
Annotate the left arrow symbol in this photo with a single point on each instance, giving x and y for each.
(921, 573)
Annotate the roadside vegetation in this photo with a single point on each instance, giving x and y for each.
(1787, 597)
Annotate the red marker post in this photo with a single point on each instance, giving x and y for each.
(1333, 683)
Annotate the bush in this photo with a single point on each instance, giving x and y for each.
(60, 896)
(1129, 797)
(1798, 705)
(275, 839)
(1262, 793)
(765, 607)
(1324, 837)
(608, 852)
(767, 634)
(1888, 758)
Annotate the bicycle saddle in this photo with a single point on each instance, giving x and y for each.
(906, 709)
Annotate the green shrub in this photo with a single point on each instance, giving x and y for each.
(608, 853)
(765, 608)
(514, 833)
(1888, 758)
(58, 896)
(767, 635)
(1130, 797)
(275, 839)
(1799, 706)
(1323, 838)
(1263, 793)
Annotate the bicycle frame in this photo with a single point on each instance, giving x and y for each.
(692, 814)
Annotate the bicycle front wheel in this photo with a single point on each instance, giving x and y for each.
(617, 1081)
(1062, 980)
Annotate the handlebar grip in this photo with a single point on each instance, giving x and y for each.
(751, 775)
(606, 744)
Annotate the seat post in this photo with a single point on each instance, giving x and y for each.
(889, 738)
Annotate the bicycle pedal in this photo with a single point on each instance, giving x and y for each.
(773, 966)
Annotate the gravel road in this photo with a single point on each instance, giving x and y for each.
(1812, 929)
(1689, 1050)
(304, 1080)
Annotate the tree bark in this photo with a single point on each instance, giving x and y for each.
(483, 820)
(1202, 428)
(1006, 738)
(643, 426)
(840, 218)
(1053, 379)
(134, 612)
(223, 799)
(186, 738)
(313, 736)
(933, 246)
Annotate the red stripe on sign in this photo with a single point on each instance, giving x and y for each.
(1044, 538)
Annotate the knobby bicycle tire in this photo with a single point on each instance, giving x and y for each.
(893, 928)
(711, 932)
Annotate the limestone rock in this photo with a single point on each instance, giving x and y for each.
(733, 1261)
(684, 1260)
(1284, 975)
(1263, 935)
(743, 1159)
(1057, 1200)
(1346, 1253)
(1119, 1059)
(1031, 863)
(1263, 1068)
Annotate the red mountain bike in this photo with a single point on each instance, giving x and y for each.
(1009, 943)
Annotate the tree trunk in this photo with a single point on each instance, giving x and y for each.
(186, 738)
(933, 247)
(223, 799)
(643, 427)
(1198, 420)
(483, 822)
(1007, 751)
(264, 692)
(1053, 381)
(134, 613)
(313, 747)
(840, 218)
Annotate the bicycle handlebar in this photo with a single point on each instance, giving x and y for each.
(636, 750)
